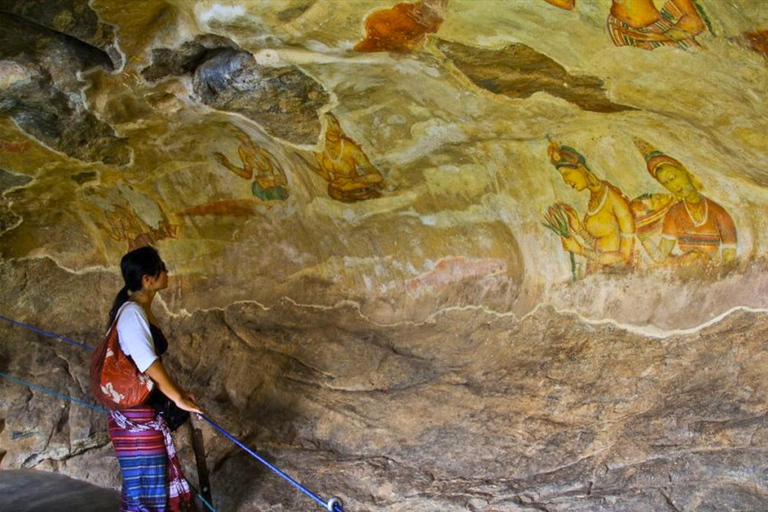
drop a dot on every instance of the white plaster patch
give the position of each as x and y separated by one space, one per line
11 74
454 269
268 57
221 13
429 138
415 68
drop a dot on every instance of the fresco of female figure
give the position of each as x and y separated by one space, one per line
640 24
350 175
701 229
606 234
269 180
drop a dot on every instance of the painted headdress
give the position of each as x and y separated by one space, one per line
655 158
565 156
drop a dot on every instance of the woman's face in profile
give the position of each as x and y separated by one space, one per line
575 177
160 281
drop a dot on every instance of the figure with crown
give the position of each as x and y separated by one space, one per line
605 235
695 228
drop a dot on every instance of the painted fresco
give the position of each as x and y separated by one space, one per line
433 255
696 228
127 216
419 168
402 27
679 228
604 235
267 177
342 163
641 24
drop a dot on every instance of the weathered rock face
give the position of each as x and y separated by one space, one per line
41 87
284 101
512 260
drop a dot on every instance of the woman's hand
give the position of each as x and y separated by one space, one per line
187 402
570 244
573 217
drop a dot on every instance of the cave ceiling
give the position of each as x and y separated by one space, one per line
534 229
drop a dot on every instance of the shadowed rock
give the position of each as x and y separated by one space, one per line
10 180
74 18
40 491
518 71
283 100
41 91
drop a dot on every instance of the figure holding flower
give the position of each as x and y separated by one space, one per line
605 235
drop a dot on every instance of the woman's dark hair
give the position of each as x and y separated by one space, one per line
144 261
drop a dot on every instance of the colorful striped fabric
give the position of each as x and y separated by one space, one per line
621 32
152 477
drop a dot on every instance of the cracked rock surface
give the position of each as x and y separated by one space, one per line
467 411
362 287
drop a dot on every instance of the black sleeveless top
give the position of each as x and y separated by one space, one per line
157 399
173 416
158 339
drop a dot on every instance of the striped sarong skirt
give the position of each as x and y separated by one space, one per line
152 478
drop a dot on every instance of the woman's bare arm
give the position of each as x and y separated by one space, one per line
169 388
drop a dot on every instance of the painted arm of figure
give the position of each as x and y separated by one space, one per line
575 223
728 237
563 4
243 172
320 169
661 252
365 170
626 223
170 389
626 231
691 21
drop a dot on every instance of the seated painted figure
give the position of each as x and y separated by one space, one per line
402 27
641 24
699 229
350 176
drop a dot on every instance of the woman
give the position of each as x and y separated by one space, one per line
702 230
606 235
152 478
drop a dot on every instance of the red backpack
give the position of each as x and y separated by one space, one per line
116 382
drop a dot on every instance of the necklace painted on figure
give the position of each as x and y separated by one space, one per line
600 205
704 216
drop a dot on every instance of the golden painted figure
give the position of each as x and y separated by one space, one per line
269 180
641 24
342 163
606 234
701 230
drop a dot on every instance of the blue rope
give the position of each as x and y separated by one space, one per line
50 392
47 333
90 406
332 505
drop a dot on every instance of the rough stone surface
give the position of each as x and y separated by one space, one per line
43 92
519 71
362 287
283 100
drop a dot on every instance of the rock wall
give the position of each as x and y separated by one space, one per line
444 255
